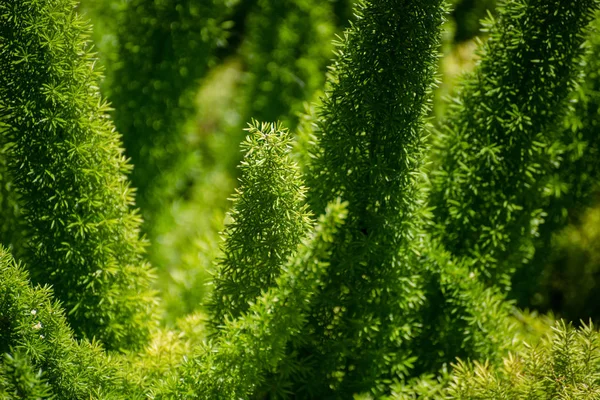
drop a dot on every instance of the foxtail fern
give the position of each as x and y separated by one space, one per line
269 219
565 366
491 152
369 144
71 174
249 347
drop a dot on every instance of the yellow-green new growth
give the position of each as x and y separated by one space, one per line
70 173
564 366
234 366
269 218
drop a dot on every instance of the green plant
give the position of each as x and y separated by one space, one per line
401 273
247 348
269 219
368 152
491 153
39 354
69 171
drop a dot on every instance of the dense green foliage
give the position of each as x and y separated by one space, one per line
69 171
369 251
369 141
565 366
269 219
40 356
491 152
254 344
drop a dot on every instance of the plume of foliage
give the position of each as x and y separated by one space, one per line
39 357
491 152
571 187
565 366
269 219
164 48
286 50
368 150
71 174
247 348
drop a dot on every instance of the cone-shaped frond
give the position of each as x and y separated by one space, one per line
491 153
269 219
369 144
71 174
38 352
254 344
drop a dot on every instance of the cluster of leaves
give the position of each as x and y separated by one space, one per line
70 174
40 357
235 365
269 219
487 187
565 365
367 151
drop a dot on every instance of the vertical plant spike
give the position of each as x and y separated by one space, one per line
165 48
368 152
491 153
71 174
248 347
574 180
35 337
269 219
287 53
